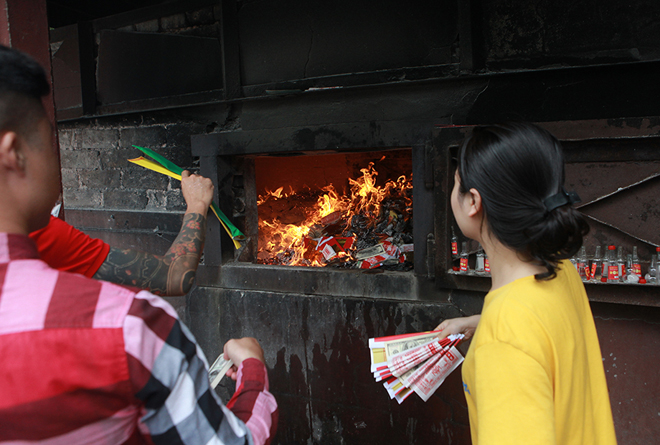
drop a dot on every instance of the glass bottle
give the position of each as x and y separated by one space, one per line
637 267
454 244
612 266
603 272
657 265
653 271
481 257
621 264
630 276
596 265
464 258
582 262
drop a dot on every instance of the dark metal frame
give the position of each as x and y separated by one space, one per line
471 64
226 156
623 139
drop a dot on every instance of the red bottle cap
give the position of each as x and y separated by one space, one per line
611 248
455 269
603 279
657 249
642 281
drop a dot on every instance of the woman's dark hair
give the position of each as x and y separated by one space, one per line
515 167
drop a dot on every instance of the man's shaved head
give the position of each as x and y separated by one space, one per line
23 83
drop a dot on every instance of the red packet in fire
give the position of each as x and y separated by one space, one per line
370 252
325 245
346 242
331 218
375 256
330 246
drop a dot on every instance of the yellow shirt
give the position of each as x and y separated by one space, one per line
534 372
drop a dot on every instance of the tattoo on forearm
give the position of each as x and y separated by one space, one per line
171 274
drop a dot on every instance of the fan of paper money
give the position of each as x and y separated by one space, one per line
416 362
218 369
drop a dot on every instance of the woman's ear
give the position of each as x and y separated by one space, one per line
475 202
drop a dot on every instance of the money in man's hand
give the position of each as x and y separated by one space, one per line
218 370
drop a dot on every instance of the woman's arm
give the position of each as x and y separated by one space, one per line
461 325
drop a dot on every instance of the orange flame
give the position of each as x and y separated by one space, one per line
294 243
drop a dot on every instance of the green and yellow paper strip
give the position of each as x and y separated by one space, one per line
165 167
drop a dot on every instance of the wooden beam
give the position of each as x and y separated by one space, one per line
230 50
87 67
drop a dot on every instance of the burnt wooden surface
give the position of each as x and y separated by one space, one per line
316 350
316 353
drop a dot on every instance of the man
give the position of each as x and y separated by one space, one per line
65 248
86 361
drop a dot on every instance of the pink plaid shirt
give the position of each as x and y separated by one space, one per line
86 361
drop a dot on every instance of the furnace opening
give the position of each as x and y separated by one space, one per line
343 210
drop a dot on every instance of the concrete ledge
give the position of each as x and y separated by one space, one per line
320 281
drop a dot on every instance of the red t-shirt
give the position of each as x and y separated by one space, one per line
66 248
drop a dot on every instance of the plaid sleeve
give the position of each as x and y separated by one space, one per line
170 376
252 403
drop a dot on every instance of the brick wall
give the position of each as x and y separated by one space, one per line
96 173
124 204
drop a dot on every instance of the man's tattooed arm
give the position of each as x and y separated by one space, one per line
171 274
174 273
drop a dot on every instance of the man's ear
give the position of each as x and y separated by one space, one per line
11 153
475 202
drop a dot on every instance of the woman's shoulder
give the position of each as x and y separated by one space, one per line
528 305
530 292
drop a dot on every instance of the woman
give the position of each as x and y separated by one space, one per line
534 372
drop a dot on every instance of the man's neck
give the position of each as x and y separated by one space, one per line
13 227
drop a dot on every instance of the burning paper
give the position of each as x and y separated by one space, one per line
331 246
414 362
378 255
362 228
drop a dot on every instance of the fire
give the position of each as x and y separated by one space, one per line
301 219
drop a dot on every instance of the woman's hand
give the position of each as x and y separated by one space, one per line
462 325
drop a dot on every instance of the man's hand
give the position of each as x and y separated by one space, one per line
462 325
241 349
197 191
